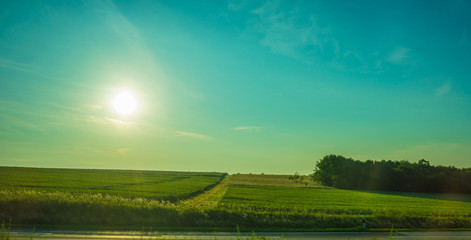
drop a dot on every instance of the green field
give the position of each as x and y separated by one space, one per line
274 197
115 198
160 185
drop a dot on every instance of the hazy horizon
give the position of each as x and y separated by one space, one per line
233 86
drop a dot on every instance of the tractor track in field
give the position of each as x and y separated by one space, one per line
210 198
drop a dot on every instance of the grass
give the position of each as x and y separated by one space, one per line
171 186
253 202
78 197
336 201
263 200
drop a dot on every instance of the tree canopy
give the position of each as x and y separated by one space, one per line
402 176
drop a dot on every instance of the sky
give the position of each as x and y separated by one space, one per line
234 86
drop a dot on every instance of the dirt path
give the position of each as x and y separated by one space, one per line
210 198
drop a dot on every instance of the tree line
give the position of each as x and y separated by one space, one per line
401 176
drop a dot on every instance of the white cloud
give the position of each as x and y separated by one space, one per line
444 89
398 55
192 135
248 128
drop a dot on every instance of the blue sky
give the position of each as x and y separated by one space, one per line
236 86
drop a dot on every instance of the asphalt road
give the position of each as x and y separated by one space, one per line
124 235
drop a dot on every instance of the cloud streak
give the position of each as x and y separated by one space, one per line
236 5
27 68
120 122
118 23
444 89
192 135
285 32
123 151
107 121
399 55
248 128
291 30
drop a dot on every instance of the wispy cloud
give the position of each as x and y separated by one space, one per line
288 29
115 20
248 128
192 135
123 151
132 41
107 121
236 5
443 89
27 68
399 55
285 32
95 107
94 151
18 125
120 122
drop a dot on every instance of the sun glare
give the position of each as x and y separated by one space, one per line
124 103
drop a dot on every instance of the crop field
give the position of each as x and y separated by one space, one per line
253 202
124 183
270 196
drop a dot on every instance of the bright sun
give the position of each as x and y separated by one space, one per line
124 103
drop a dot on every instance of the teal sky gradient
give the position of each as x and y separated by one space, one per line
234 86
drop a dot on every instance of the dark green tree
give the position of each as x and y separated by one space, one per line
347 173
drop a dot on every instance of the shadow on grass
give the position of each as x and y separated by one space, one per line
437 196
